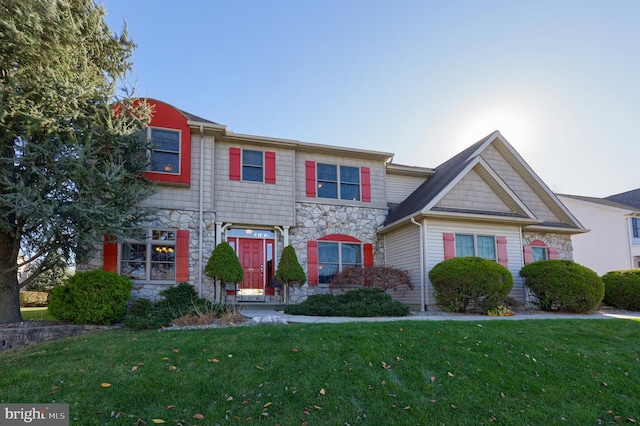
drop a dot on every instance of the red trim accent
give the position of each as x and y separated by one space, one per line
449 245
110 254
365 177
167 117
553 253
310 178
368 254
182 255
234 163
339 237
270 167
528 254
312 260
501 242
537 243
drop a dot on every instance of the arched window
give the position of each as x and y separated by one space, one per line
538 250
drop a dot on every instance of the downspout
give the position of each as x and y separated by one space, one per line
201 214
524 287
629 223
422 292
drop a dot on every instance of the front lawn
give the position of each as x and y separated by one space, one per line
564 372
36 314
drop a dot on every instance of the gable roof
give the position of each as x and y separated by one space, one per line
600 201
424 200
629 198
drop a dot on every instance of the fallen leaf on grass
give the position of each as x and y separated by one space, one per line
169 407
450 374
294 350
105 385
259 368
433 379
198 416
158 421
175 351
267 404
172 368
322 391
213 360
140 422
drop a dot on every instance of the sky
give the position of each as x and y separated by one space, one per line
421 79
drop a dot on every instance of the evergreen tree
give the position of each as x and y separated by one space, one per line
70 152
223 265
289 270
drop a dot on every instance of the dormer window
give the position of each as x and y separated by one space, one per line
165 153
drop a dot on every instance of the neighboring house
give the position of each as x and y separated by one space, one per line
613 242
338 207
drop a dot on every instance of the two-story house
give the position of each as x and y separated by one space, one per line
613 242
338 207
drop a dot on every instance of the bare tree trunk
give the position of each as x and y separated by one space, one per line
9 298
9 287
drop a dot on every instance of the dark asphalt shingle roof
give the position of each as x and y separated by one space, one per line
444 174
601 201
629 198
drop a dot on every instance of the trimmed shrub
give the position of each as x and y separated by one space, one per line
364 302
563 285
464 281
622 289
93 297
223 265
33 298
382 277
289 270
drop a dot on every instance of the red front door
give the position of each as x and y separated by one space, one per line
251 256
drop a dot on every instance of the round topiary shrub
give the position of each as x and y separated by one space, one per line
93 297
463 281
622 289
563 285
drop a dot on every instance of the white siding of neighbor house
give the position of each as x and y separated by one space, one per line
607 247
400 187
518 185
435 246
402 251
254 203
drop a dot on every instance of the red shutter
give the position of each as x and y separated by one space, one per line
449 245
365 177
312 260
368 254
310 171
182 256
270 167
110 254
528 254
501 242
553 253
234 163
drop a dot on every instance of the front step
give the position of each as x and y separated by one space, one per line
257 306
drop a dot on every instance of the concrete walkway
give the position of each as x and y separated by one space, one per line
279 316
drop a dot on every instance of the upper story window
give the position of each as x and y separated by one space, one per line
476 245
635 227
338 182
252 166
165 154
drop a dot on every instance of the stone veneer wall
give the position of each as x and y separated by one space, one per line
173 219
314 220
561 242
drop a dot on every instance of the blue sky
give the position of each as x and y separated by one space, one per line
421 79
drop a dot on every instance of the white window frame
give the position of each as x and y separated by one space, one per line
153 150
475 245
150 245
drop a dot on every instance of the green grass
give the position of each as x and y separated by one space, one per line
36 314
537 372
